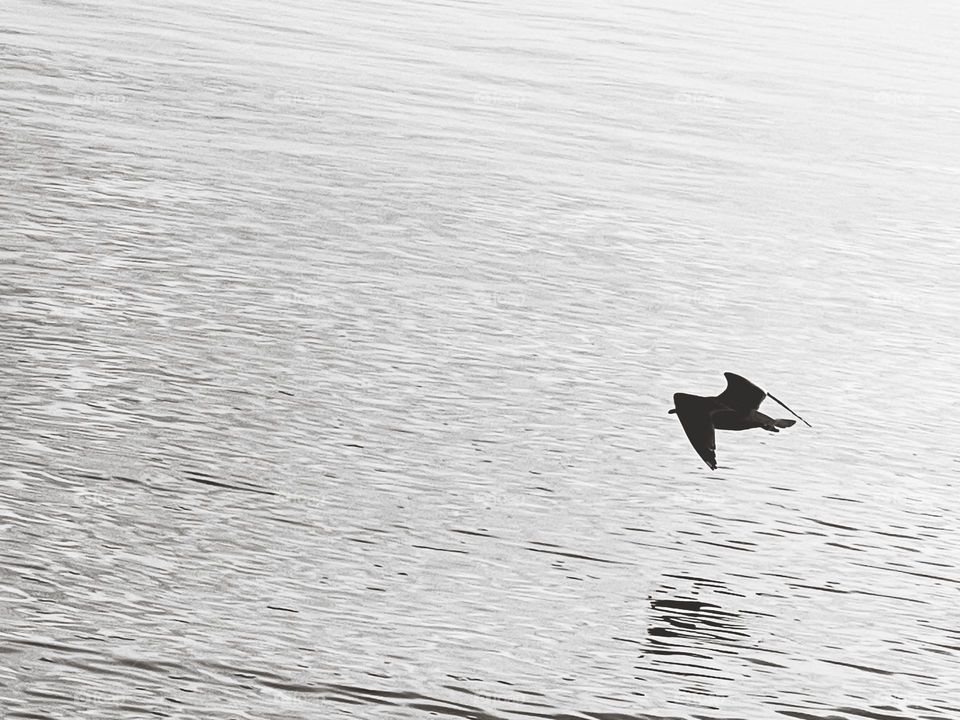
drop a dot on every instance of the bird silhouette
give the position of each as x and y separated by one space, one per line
733 409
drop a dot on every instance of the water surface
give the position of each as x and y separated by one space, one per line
338 346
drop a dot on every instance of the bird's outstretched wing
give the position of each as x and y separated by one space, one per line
741 394
694 413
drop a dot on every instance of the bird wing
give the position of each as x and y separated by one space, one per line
694 413
741 394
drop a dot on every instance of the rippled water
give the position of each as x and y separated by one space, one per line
338 343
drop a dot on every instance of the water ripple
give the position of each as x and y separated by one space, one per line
338 347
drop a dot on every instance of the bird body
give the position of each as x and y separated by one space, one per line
736 408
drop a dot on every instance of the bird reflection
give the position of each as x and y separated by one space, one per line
687 635
693 619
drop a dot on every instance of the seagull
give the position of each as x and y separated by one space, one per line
733 409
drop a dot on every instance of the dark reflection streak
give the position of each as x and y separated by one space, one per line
231 487
286 521
937 645
357 696
101 478
857 592
764 663
729 593
897 535
97 667
673 651
832 525
817 587
293 687
909 572
238 672
868 714
53 646
757 613
368 692
443 710
784 531
724 519
666 664
672 548
688 605
575 555
351 700
878 671
472 533
722 545
695 579
687 674
934 563
948 631
844 547
803 715
485 696
782 575
671 646
448 550
716 629
47 696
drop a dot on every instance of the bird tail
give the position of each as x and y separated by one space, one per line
781 403
784 423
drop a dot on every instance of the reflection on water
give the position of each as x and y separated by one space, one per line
338 349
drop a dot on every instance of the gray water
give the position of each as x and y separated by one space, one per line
338 342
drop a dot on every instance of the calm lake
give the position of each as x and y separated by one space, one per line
338 340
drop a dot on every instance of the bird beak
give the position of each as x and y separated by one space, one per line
671 411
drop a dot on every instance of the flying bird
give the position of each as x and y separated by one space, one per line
733 409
